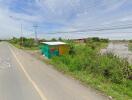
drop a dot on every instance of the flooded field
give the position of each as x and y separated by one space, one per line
119 49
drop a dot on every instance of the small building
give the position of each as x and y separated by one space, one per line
82 40
51 49
79 40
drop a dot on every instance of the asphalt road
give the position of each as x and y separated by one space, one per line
23 77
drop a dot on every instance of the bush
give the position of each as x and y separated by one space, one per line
28 42
60 39
105 72
72 49
53 39
86 58
25 42
104 40
95 39
130 41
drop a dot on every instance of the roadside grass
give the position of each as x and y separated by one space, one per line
107 73
116 91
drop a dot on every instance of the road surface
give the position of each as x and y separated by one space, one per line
23 77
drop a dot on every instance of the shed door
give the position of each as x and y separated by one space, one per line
63 49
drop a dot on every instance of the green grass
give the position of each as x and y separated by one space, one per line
106 73
117 91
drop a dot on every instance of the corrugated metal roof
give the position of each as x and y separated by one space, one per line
54 43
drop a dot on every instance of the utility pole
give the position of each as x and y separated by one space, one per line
35 32
21 36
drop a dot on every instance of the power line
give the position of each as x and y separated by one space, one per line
96 29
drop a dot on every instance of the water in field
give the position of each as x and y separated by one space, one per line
120 49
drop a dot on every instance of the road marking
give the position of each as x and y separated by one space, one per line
29 78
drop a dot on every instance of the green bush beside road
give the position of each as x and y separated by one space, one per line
107 72
130 45
25 43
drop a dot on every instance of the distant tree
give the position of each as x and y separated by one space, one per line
95 39
14 40
60 39
130 41
104 40
28 42
53 39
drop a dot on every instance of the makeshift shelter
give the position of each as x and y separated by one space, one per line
51 49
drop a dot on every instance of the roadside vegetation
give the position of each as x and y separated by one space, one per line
25 43
1 40
29 43
130 45
106 72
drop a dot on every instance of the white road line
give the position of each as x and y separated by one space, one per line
29 78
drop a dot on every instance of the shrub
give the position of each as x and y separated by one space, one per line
95 39
25 42
60 39
53 39
72 50
86 58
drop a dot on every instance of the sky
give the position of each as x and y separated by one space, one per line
60 18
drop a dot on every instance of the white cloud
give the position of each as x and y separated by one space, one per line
10 22
110 5
126 18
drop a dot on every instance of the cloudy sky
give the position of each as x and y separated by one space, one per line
54 16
